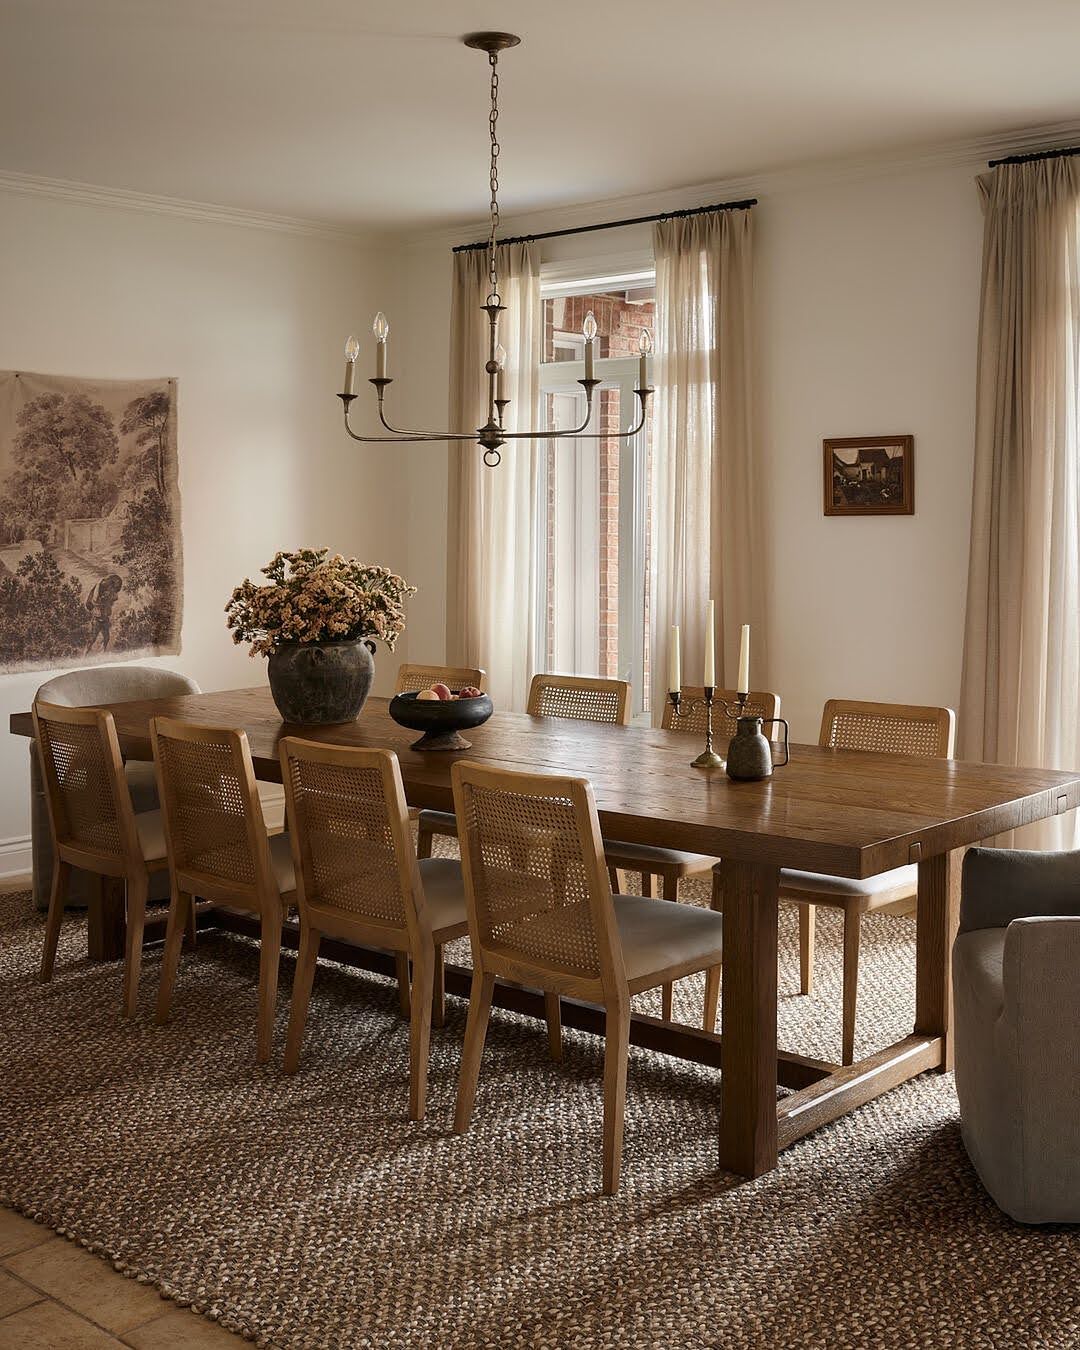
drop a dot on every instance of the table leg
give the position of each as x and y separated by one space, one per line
937 917
748 1143
105 927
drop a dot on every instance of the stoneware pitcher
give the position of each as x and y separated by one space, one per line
749 755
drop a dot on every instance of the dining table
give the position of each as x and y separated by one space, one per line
846 813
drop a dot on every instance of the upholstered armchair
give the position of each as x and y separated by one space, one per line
79 689
1016 976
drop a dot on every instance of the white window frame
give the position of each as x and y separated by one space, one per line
583 278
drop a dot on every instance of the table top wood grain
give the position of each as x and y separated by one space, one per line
844 812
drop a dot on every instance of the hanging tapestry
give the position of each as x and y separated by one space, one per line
90 552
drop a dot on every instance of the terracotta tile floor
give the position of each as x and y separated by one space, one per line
55 1295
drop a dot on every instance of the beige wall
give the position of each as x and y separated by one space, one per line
251 322
867 312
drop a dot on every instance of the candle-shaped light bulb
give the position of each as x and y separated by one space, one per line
675 662
381 329
644 347
589 329
710 645
500 361
743 687
352 351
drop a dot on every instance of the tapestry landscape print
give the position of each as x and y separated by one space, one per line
89 521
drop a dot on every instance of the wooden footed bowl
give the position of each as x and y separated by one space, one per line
441 722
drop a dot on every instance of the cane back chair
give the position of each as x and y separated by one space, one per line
412 678
885 728
358 879
219 849
541 913
94 826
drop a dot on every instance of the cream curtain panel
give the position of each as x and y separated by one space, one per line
494 514
708 496
1021 683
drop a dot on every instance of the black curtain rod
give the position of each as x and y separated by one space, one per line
1038 154
612 224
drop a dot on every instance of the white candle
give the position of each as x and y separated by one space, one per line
675 661
380 360
744 660
710 644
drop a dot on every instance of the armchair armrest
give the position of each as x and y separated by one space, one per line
1000 885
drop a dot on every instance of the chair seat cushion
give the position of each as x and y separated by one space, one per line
281 863
640 857
979 967
868 891
659 934
439 822
151 831
444 890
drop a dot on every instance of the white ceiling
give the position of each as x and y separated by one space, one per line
358 114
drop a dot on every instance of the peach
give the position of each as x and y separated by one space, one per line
441 691
427 696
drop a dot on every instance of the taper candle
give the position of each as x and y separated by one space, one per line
710 645
675 661
381 329
744 660
352 351
644 347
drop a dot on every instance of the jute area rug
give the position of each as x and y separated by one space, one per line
307 1212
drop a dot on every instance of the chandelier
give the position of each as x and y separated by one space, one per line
493 433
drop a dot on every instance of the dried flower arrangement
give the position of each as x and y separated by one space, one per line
315 598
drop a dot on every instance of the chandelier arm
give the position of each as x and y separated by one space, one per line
580 433
411 437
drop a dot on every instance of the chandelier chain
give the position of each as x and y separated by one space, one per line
493 121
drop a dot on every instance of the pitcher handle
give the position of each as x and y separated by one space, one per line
779 721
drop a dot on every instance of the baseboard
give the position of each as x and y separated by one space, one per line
16 858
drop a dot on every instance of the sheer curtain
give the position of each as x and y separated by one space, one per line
707 496
494 514
1021 683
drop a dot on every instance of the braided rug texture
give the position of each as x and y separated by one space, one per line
307 1213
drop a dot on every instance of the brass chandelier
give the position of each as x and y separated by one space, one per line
493 433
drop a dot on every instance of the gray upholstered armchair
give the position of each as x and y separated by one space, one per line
1016 977
77 689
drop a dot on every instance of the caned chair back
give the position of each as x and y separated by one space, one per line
88 798
214 826
535 878
349 828
691 718
580 696
411 678
889 728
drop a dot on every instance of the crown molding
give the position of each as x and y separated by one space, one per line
87 194
970 153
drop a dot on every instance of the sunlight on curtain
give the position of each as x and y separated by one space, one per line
707 493
494 516
1021 682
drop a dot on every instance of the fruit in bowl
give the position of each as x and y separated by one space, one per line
441 716
444 694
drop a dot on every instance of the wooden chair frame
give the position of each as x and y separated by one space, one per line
943 721
415 940
261 897
610 987
128 865
578 683
411 676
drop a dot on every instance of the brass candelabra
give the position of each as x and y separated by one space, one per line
709 759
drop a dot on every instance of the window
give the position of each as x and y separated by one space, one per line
594 563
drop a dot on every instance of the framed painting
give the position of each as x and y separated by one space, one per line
870 476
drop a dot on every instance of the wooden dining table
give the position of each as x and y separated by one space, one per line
843 812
